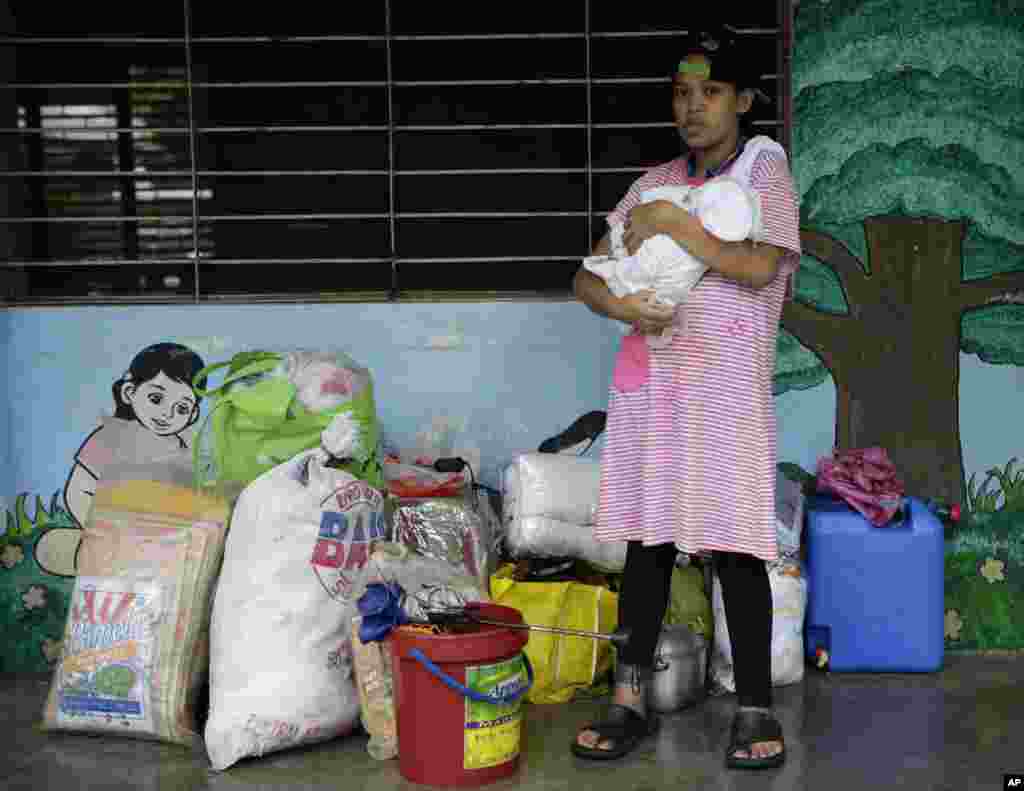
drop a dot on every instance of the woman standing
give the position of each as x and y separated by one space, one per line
690 456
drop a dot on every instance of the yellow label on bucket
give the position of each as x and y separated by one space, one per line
492 732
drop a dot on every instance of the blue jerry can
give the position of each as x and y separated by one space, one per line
875 595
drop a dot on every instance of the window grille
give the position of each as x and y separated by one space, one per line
405 151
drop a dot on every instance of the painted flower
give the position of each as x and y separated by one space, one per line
35 597
992 570
50 649
12 556
953 624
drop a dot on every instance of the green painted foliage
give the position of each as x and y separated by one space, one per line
851 40
29 630
840 119
796 367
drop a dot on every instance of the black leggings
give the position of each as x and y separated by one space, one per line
746 594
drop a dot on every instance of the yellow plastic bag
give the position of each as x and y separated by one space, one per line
562 664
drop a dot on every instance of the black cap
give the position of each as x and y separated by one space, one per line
729 62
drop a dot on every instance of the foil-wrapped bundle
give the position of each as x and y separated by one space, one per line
462 531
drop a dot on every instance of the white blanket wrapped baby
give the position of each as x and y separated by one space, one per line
726 208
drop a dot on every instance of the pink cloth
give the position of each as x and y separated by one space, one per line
866 479
690 455
632 363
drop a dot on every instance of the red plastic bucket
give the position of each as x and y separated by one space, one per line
457 698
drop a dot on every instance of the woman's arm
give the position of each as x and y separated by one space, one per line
747 263
635 309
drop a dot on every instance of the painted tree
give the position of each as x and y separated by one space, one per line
907 144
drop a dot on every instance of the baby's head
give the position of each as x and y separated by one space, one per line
157 389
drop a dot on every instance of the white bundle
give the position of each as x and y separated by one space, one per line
726 208
550 504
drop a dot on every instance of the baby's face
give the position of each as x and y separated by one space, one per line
162 405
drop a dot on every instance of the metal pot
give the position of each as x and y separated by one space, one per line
680 670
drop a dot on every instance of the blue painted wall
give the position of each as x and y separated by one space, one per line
497 377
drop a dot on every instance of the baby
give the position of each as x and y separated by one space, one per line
726 209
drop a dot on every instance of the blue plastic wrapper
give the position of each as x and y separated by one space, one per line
381 608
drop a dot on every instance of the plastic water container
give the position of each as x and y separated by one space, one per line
875 595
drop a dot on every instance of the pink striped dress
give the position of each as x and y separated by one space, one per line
690 456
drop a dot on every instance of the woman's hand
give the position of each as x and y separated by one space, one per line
649 219
646 315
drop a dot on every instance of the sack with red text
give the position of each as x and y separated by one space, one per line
281 672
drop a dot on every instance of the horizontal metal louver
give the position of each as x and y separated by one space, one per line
409 151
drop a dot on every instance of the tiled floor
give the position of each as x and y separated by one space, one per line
960 729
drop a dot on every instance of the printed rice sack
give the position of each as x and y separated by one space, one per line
135 653
281 663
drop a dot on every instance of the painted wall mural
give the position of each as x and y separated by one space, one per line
33 603
906 146
155 411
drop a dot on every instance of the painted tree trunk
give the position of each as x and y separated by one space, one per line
902 390
895 357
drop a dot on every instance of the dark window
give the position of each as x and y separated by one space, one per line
184 153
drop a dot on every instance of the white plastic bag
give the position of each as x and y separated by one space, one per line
280 645
549 506
558 486
789 604
789 515
541 536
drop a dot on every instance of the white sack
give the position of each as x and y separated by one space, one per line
281 670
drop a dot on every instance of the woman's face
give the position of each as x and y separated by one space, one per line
706 111
162 405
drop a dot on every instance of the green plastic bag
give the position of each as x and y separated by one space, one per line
688 603
256 422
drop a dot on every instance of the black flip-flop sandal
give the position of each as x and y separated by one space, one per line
749 728
623 726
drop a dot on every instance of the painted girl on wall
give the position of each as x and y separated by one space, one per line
155 408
